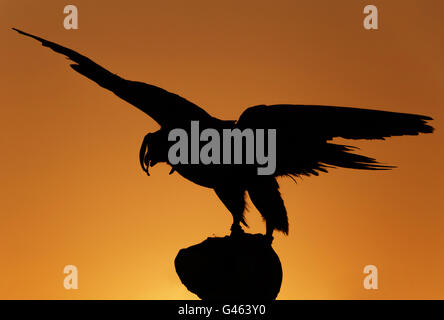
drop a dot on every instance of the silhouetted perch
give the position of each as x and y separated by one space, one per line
244 266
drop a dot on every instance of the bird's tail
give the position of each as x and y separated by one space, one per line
341 156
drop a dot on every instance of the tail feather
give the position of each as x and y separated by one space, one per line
340 156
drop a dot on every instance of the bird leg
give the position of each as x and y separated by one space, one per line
236 229
269 233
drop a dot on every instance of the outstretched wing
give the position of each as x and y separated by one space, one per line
164 107
303 133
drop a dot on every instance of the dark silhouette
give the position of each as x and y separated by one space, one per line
231 268
304 135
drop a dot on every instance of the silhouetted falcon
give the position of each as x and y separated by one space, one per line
303 147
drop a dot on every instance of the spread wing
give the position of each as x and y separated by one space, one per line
303 133
164 107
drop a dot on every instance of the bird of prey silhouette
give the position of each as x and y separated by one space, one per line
303 147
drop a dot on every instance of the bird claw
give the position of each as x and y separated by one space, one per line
268 238
236 230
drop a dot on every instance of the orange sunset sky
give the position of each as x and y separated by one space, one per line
72 191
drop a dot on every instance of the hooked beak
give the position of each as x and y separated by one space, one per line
144 155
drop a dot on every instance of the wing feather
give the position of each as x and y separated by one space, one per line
304 132
326 122
164 107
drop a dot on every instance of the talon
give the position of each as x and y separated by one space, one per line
172 171
268 238
236 230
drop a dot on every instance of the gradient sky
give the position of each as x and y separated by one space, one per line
72 191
